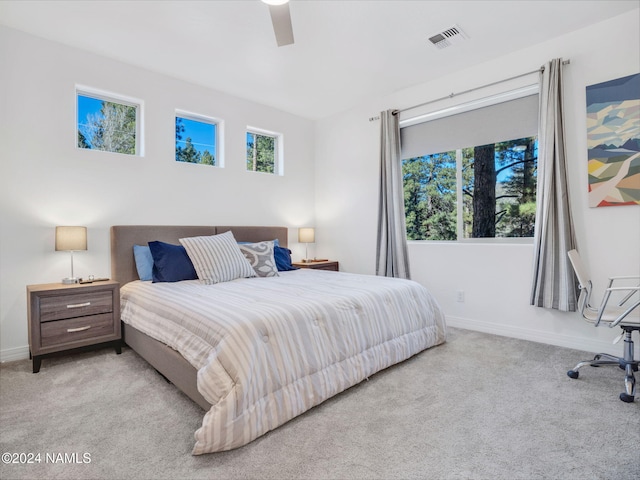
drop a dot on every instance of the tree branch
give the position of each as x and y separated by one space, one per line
515 163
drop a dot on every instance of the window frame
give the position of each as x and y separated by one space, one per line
106 96
427 116
278 154
218 123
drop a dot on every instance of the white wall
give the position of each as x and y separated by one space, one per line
45 181
495 278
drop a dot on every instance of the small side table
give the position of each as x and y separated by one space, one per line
321 265
65 317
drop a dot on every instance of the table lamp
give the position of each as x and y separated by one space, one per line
71 239
306 235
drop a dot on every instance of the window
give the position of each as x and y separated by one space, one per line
196 139
472 175
264 151
108 122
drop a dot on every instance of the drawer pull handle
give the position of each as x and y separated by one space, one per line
79 305
79 329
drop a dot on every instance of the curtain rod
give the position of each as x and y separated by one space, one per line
451 95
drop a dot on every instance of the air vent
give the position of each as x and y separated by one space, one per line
450 36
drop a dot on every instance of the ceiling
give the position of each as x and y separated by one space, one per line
344 52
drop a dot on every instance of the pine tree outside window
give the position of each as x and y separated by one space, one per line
264 151
108 122
197 139
497 192
472 175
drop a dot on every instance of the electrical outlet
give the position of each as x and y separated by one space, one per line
460 296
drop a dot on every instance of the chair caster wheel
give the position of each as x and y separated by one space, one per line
626 398
573 374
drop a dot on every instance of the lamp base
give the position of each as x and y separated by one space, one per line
70 280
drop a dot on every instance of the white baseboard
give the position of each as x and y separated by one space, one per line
13 354
568 341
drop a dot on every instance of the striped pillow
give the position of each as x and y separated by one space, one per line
217 258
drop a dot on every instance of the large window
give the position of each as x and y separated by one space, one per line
472 175
264 151
196 139
108 122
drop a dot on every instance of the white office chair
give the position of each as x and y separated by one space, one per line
625 314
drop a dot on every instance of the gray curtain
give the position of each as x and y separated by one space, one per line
391 253
554 284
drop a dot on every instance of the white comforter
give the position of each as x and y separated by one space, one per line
268 349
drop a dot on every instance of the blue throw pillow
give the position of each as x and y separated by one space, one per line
144 262
171 263
283 259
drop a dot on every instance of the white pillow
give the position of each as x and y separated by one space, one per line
217 258
260 256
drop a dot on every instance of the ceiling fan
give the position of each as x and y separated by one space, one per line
281 20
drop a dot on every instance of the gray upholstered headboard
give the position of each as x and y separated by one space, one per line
124 237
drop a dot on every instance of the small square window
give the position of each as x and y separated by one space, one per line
264 152
196 140
107 123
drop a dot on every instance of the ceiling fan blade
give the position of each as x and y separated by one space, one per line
281 19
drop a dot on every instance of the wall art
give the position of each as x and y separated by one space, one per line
613 142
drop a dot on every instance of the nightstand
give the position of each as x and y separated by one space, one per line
64 317
320 265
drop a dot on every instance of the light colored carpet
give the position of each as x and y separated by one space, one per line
478 407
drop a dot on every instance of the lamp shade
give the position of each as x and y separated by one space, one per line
306 235
71 238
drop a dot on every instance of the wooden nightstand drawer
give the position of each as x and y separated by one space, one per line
78 305
63 332
319 265
332 266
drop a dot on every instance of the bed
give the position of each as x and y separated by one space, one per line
257 352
